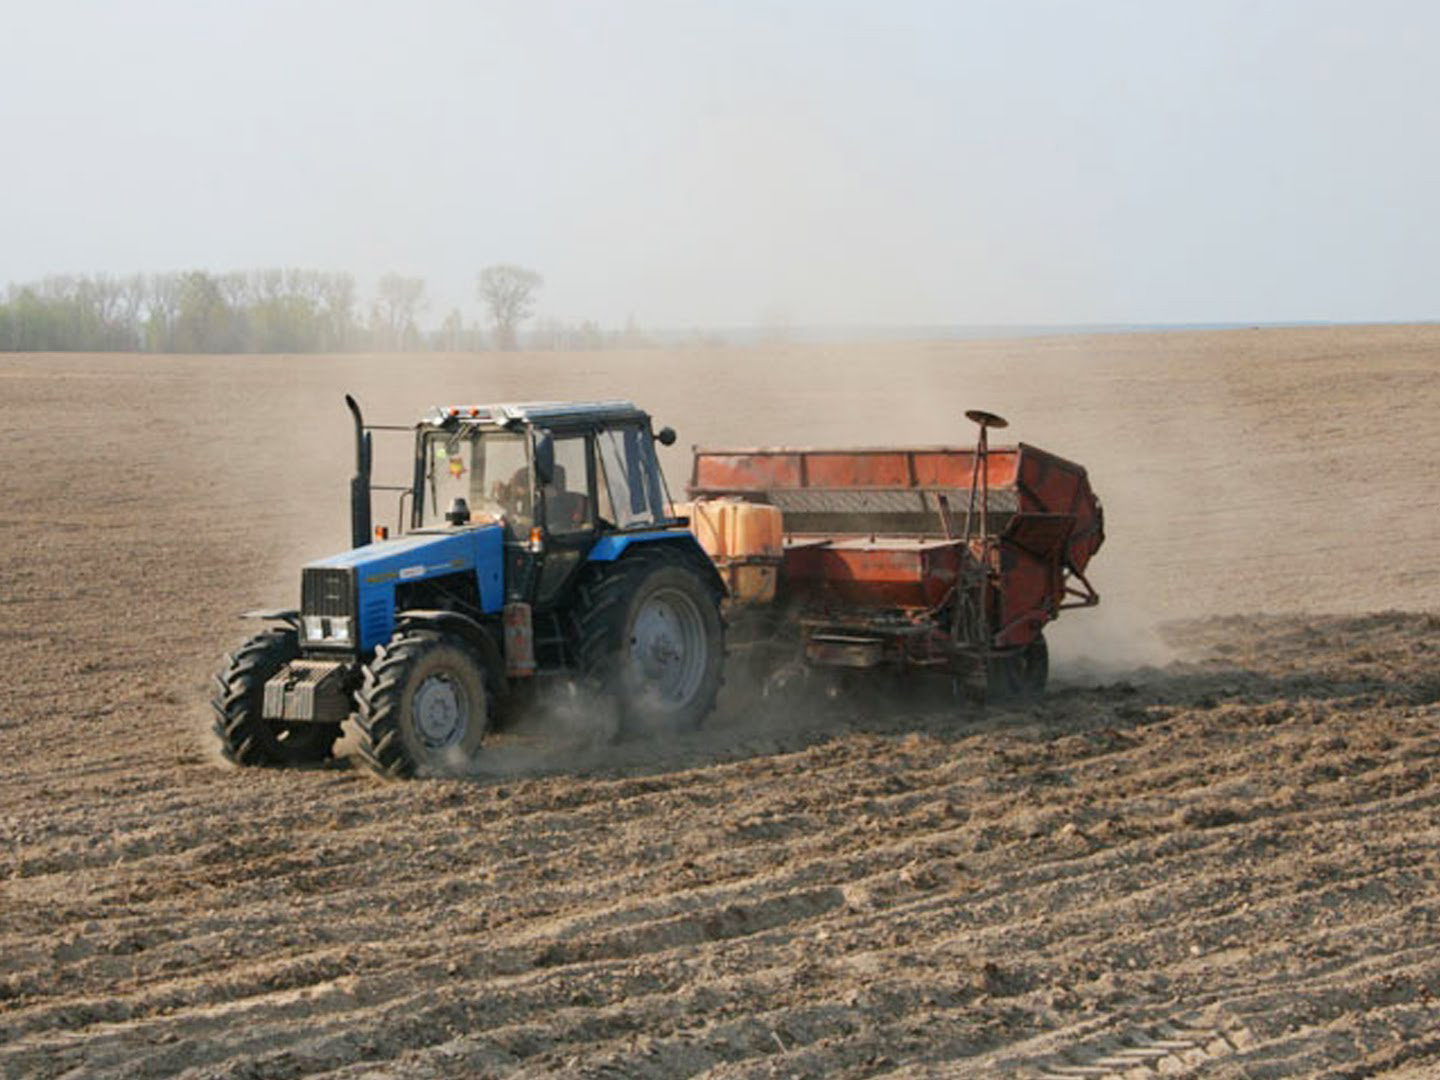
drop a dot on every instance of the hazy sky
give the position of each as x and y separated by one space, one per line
734 162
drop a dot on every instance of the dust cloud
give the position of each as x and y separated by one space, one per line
1211 506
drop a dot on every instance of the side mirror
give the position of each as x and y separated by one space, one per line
666 436
544 458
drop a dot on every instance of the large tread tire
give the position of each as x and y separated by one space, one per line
423 708
617 603
244 736
1020 676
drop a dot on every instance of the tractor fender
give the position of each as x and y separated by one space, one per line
612 547
467 629
289 616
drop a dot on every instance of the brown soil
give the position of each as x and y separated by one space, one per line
1211 850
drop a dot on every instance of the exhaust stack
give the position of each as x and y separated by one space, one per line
360 482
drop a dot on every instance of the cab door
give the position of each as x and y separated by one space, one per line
566 512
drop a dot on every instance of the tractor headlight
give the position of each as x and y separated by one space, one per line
334 628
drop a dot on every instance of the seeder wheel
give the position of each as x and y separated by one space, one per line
1019 675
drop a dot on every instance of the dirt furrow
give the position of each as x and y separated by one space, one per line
1217 818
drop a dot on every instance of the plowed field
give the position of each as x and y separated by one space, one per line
1211 850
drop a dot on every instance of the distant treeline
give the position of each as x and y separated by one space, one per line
273 311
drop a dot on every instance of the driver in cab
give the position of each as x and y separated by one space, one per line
565 510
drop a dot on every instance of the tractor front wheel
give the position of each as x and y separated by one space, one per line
244 736
423 707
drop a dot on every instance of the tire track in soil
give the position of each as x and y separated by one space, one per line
1043 874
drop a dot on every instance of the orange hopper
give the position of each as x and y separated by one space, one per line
906 530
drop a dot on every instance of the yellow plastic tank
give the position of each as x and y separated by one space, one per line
746 541
708 525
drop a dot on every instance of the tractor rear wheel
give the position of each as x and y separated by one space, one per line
244 735
1021 674
649 636
423 707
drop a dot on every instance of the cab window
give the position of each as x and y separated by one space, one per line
630 477
491 472
567 496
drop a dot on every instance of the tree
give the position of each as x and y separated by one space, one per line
164 311
392 316
205 322
509 294
337 308
452 332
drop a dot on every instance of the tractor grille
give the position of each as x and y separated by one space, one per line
327 591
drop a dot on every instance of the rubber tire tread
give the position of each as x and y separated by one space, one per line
1020 676
380 744
601 602
244 736
1035 667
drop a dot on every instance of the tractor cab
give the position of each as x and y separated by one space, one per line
562 468
556 478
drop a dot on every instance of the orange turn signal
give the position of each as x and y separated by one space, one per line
382 532
537 539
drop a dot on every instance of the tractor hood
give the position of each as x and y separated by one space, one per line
361 584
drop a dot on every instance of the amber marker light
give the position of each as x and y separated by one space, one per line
382 532
537 540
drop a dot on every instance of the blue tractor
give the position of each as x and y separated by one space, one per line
533 541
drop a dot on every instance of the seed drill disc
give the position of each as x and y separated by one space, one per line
986 419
